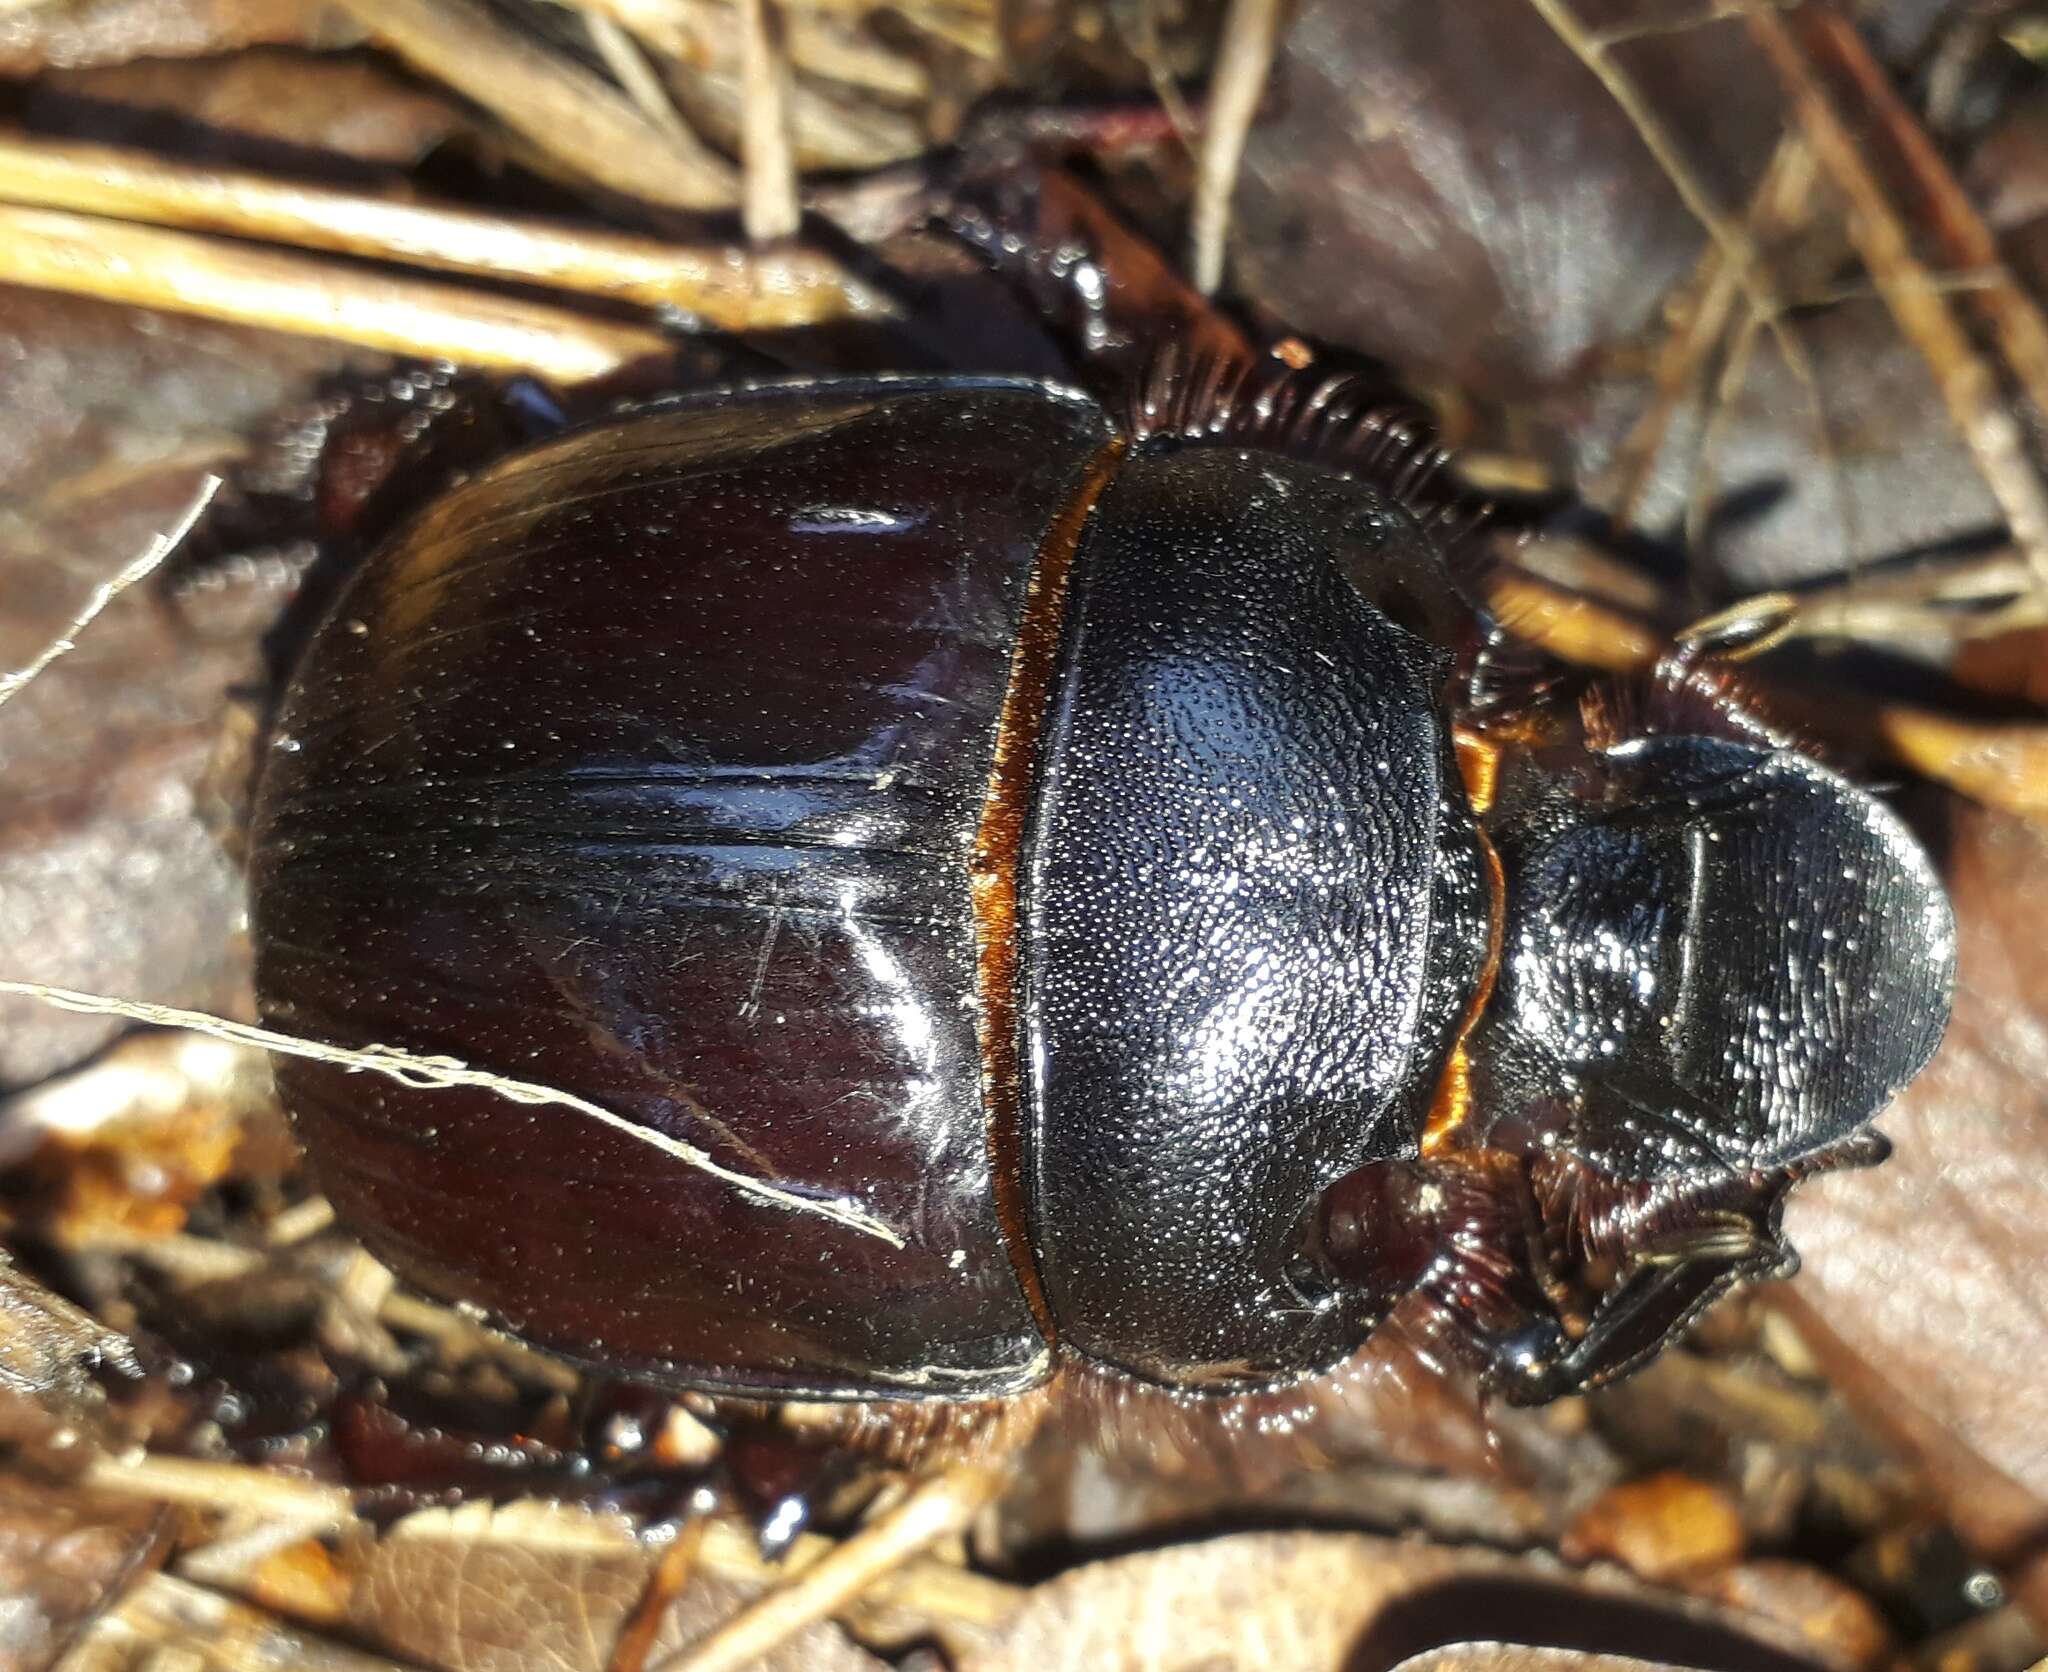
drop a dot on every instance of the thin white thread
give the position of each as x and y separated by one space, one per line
419 1072
160 547
423 1073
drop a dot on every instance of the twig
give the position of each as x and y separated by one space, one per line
1143 32
1244 58
629 68
1734 242
927 1585
224 1487
440 1073
768 182
160 547
726 285
1967 383
570 114
460 1336
934 1508
1967 243
671 1574
1654 28
1706 462
1676 370
831 47
216 279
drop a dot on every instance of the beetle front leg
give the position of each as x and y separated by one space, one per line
1450 1249
1542 1275
343 465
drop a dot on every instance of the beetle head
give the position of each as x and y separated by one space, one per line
1719 957
1719 960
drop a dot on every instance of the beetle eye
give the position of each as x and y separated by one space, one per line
1735 958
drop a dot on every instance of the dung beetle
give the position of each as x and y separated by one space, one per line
1106 880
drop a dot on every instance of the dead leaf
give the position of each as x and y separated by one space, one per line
1510 1657
1838 1624
62 1554
110 878
500 1593
1791 498
536 1588
1931 1276
1308 1601
1448 188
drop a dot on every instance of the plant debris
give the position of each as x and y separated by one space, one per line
1734 308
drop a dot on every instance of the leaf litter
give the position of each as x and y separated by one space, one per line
197 1366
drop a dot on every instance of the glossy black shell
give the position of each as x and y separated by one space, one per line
907 791
1228 915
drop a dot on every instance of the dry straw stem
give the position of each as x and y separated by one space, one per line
1244 59
1735 244
441 1073
216 279
198 1484
1703 322
768 196
1981 278
629 67
577 119
896 1577
933 1509
1968 385
727 286
831 47
1766 307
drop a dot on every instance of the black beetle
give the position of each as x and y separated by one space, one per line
1090 849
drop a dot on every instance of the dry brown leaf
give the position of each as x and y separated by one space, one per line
1837 1623
1790 503
62 1554
536 1589
1514 1657
1309 1601
1932 1276
476 1597
1449 188
708 1600
109 877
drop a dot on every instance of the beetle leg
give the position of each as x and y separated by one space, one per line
342 467
1653 1302
1681 1247
1106 291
